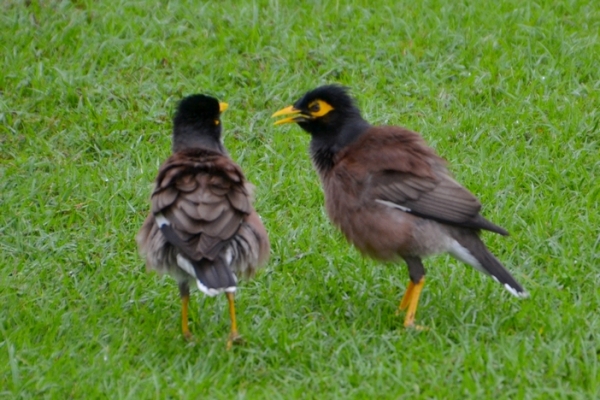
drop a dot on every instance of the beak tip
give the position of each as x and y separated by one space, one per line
285 111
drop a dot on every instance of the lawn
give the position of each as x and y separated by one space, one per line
508 92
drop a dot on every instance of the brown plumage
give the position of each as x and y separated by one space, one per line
390 194
202 228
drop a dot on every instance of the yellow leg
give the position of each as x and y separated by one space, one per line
184 317
234 335
406 298
411 301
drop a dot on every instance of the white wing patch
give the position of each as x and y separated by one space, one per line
185 265
228 255
393 205
161 220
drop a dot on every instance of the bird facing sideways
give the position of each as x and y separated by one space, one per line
202 229
390 194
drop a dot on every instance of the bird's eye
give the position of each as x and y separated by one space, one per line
319 108
216 122
314 106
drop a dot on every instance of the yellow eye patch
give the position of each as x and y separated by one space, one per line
319 108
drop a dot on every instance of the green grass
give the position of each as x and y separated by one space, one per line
508 92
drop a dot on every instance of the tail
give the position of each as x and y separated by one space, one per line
469 248
212 276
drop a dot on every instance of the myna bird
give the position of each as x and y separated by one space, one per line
202 229
390 194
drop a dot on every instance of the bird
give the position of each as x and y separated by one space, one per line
390 194
202 228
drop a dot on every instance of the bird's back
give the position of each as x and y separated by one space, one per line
207 202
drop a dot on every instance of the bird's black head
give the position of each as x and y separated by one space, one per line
330 116
197 123
322 111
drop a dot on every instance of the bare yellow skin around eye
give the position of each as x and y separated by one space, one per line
319 108
216 122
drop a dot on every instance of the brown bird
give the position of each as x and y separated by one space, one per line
202 228
390 194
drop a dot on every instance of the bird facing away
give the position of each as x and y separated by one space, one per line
390 194
202 229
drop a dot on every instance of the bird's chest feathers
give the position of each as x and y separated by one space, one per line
345 194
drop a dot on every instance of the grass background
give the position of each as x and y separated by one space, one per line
507 91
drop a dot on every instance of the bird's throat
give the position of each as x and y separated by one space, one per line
324 147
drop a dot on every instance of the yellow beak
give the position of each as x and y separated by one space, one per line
223 107
285 111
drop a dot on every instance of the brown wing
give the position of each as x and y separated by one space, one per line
202 194
404 172
441 199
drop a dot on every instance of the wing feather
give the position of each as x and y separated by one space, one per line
204 200
404 171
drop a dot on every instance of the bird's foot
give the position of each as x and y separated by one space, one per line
419 328
234 338
409 323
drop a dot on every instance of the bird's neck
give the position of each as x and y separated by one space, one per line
185 139
324 147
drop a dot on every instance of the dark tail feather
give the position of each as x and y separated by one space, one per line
487 262
215 276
